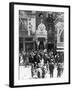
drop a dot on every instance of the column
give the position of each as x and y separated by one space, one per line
24 44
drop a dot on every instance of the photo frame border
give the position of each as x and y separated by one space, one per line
11 42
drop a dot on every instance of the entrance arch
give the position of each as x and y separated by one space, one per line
41 36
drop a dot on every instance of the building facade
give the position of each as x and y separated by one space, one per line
41 30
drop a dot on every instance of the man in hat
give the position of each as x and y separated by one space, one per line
51 69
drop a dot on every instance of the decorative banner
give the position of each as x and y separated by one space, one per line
31 25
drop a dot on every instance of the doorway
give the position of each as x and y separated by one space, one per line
41 45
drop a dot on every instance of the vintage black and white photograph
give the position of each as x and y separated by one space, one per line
41 53
41 44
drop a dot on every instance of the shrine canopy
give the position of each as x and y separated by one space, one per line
41 31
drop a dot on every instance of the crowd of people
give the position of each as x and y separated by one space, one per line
42 62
